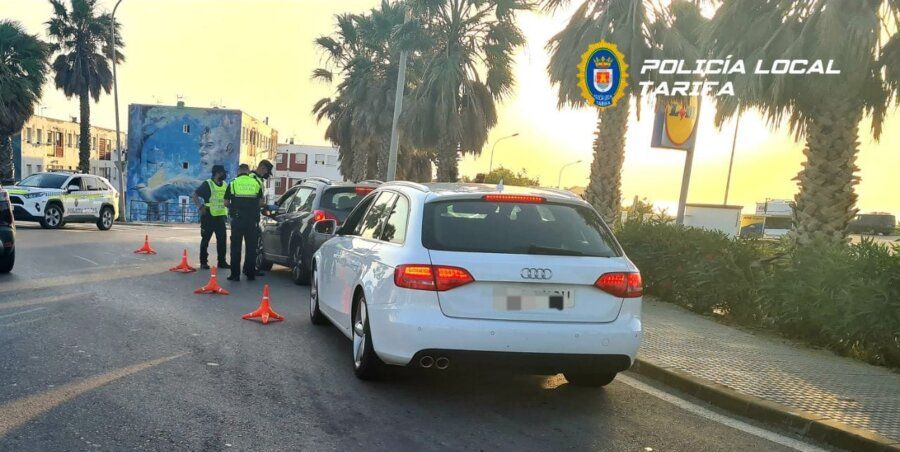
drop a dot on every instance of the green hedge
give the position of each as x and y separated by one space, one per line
843 298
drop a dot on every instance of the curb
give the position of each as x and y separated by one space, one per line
807 424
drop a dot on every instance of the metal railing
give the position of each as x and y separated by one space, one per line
162 212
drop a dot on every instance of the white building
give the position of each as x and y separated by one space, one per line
48 144
295 162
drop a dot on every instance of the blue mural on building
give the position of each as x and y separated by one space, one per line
171 150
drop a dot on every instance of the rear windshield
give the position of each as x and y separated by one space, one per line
44 180
474 225
340 201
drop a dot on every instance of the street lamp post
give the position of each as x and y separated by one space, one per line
491 165
120 164
559 180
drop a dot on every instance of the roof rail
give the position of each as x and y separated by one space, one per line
561 191
371 181
409 184
323 180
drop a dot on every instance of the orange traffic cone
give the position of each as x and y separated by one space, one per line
183 267
264 311
213 285
146 248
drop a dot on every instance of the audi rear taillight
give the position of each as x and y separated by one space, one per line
625 285
319 215
521 199
431 277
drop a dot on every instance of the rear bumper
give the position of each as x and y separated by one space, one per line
402 333
538 363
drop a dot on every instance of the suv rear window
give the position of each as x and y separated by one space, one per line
474 225
340 201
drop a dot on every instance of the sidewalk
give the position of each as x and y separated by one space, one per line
829 387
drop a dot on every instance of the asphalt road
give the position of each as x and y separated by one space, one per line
103 349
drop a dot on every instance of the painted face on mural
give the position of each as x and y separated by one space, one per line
215 148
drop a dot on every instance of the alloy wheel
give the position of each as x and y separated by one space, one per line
359 333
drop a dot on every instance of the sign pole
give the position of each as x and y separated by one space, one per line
685 182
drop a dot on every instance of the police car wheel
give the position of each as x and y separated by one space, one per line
53 217
106 219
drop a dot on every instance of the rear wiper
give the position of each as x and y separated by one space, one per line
553 251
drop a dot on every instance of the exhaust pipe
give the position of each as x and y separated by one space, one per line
426 361
442 363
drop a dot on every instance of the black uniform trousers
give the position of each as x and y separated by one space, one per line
210 225
244 230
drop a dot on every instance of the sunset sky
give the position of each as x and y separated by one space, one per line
257 56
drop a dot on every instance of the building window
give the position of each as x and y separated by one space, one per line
320 159
69 139
39 168
40 136
186 128
279 159
94 144
77 140
28 132
27 170
331 160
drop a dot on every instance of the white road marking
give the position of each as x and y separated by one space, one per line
85 259
716 417
21 312
24 322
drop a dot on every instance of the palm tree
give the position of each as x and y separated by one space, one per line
625 23
23 69
81 41
466 56
823 109
363 53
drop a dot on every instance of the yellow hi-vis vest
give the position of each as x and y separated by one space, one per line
245 186
216 204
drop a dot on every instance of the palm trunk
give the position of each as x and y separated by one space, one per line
384 150
6 156
604 191
360 160
84 144
447 162
826 201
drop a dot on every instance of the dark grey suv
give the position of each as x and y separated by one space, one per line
287 236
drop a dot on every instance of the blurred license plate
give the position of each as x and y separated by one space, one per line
516 299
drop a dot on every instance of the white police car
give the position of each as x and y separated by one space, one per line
57 198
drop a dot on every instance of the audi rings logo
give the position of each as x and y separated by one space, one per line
536 273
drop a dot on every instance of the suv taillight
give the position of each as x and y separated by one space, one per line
431 277
319 215
625 285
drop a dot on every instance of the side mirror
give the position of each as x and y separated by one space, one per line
327 227
72 188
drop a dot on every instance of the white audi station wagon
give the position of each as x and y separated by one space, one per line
471 276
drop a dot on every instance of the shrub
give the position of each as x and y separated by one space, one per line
844 298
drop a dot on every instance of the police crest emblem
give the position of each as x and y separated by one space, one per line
603 74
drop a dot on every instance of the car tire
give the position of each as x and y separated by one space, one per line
366 363
298 273
7 262
315 315
589 379
105 222
53 217
261 263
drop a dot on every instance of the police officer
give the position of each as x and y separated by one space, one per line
210 199
244 197
261 174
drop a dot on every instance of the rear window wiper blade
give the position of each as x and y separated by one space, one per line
553 251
